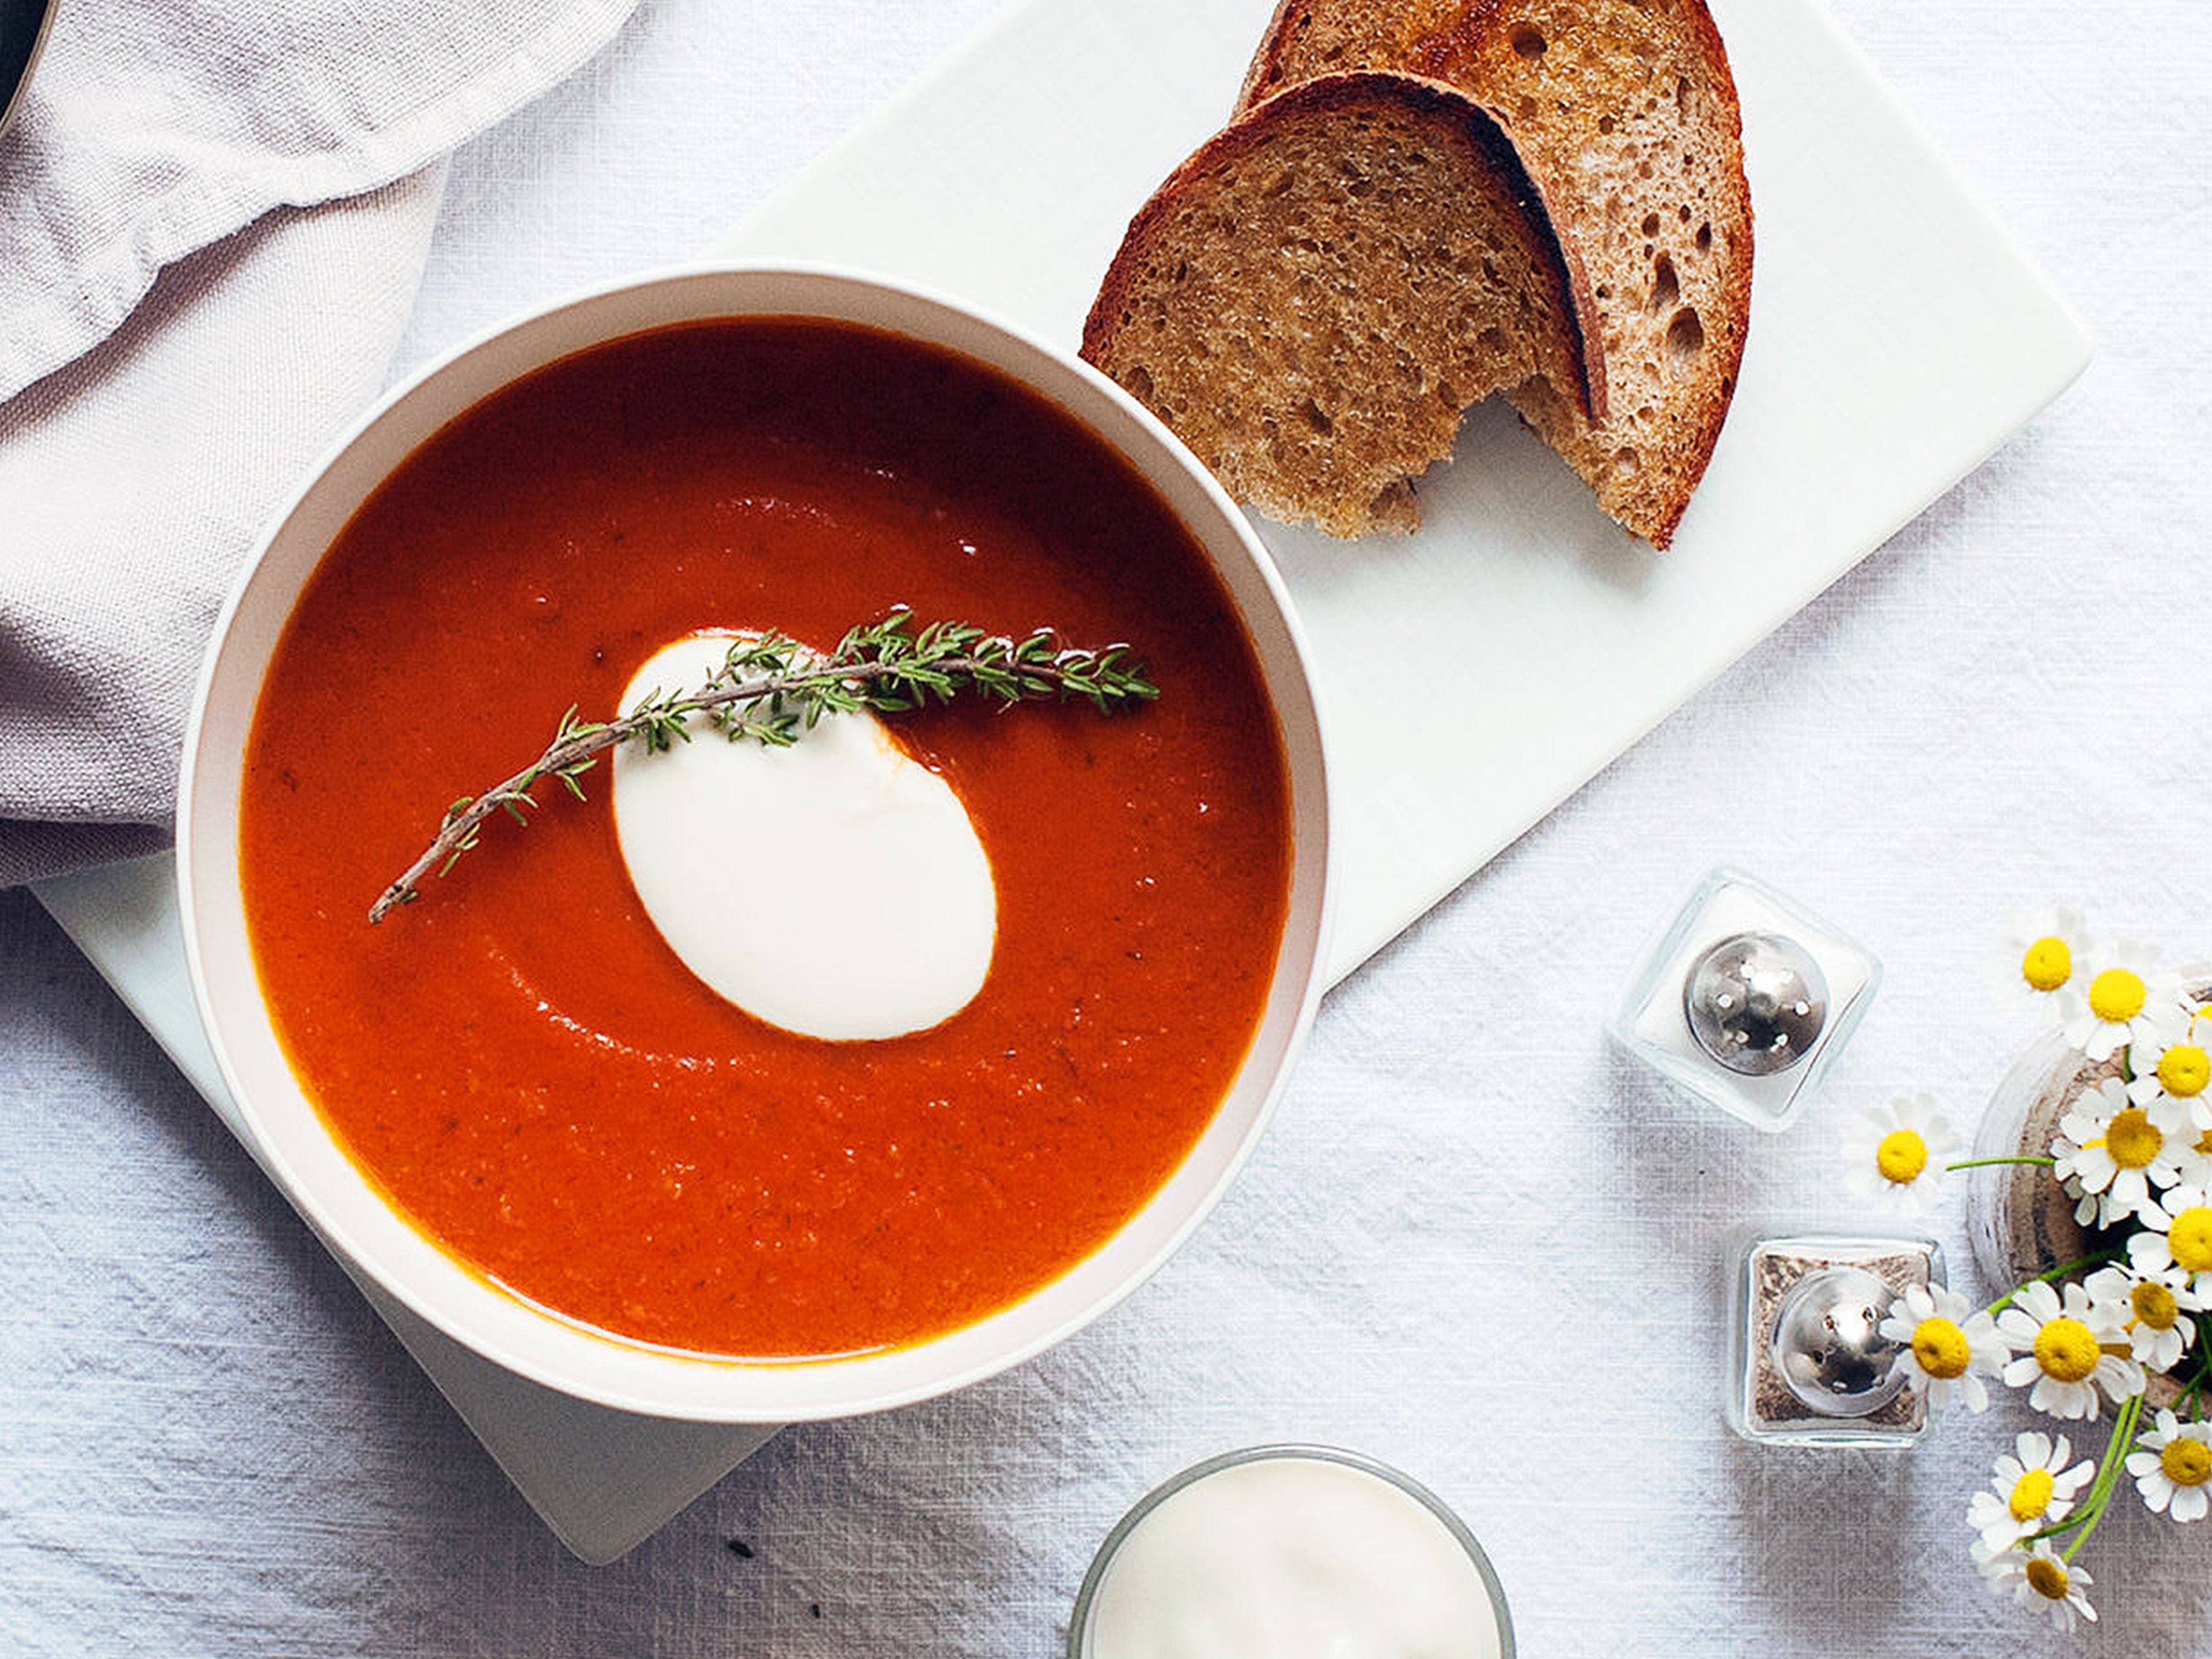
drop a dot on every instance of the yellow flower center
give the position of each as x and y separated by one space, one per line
2117 994
2031 1495
2047 1578
2204 1143
2132 1139
2183 1069
2067 1349
2048 964
1940 1347
2186 1461
2190 1239
1901 1157
2154 1304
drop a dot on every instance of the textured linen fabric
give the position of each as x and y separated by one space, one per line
246 193
1474 1241
135 478
152 130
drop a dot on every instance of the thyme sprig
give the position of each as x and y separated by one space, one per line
770 690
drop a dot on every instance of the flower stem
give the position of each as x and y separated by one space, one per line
2060 1272
1984 1163
2084 1520
2192 1397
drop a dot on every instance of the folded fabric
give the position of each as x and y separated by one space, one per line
136 466
153 131
133 481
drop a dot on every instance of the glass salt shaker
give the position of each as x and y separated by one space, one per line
1746 999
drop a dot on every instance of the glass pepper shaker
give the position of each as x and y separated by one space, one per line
1808 1364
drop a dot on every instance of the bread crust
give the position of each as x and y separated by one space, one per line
1473 45
1346 91
1510 189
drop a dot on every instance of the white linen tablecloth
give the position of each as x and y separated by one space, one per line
1474 1242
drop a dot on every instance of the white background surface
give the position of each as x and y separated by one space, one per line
1474 1243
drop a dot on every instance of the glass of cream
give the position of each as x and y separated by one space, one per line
1291 1553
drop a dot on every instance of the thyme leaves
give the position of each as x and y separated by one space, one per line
771 690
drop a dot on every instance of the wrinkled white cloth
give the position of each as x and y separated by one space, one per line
212 224
153 131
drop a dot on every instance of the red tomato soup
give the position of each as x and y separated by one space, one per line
522 1064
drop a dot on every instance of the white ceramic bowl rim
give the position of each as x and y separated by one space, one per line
322 1183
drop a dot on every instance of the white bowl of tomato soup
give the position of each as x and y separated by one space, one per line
511 1104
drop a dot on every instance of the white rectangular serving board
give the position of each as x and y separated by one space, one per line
1897 336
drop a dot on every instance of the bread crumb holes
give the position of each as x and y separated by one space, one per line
1686 335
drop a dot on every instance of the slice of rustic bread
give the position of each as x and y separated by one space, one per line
1313 300
1627 113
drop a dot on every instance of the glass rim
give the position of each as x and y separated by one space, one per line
1079 1624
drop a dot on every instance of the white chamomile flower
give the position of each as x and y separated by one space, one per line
2174 1467
2173 1058
2193 1158
1896 1153
1948 1346
2033 1488
2155 1312
2067 1348
2041 952
2038 1573
2112 999
2177 1234
2112 1153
